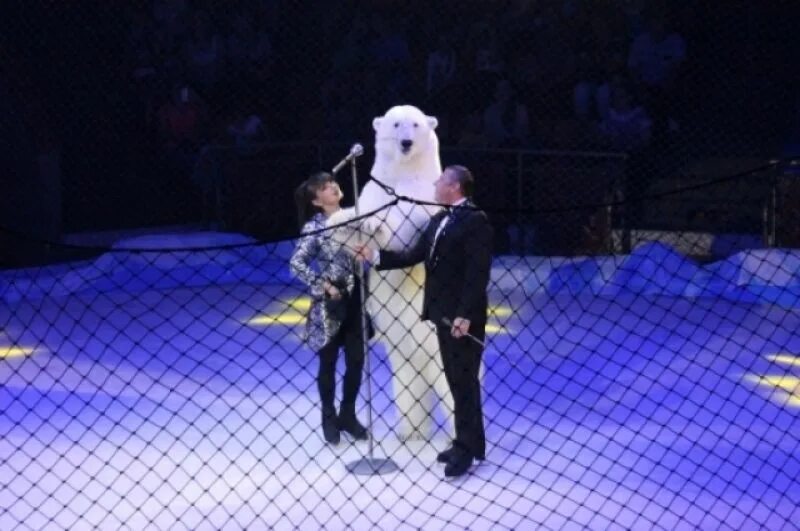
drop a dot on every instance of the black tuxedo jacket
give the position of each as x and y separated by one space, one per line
457 271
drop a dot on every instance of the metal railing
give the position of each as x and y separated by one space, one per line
541 201
521 188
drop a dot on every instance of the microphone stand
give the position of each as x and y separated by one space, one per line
369 465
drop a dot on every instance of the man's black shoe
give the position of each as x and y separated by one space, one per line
446 455
458 465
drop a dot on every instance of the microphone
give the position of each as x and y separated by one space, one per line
448 322
356 151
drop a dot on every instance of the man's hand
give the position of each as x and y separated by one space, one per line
460 327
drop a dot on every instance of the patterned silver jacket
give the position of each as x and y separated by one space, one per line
333 264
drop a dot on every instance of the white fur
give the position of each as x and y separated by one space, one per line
395 300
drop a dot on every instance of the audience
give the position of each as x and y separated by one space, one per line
204 52
246 131
656 55
578 67
182 124
247 49
441 68
654 60
505 120
627 127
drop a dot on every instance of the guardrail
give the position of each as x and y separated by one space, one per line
540 200
549 202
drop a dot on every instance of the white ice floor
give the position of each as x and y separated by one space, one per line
170 409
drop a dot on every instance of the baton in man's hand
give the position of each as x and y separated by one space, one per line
448 322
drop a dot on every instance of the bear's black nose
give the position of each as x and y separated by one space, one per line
406 143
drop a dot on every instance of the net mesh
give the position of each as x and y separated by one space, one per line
641 365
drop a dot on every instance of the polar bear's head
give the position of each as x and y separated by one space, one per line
406 144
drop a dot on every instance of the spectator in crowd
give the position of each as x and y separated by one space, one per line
142 59
634 13
169 51
169 17
585 89
517 21
441 68
247 49
389 47
182 125
489 63
627 126
391 58
246 131
204 52
603 58
139 46
525 69
791 146
243 134
338 116
654 60
472 135
350 53
656 55
488 56
168 12
505 121
614 75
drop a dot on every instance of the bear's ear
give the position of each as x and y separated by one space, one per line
376 123
432 122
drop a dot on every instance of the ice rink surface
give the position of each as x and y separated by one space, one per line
193 405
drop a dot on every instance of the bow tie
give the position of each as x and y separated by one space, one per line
455 208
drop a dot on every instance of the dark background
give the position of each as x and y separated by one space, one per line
84 84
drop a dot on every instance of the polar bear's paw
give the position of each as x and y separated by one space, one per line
345 233
370 225
338 218
414 432
407 434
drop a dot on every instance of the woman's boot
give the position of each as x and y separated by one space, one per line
349 423
330 429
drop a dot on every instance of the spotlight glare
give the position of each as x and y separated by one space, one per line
499 311
496 329
786 359
15 352
787 386
299 303
279 319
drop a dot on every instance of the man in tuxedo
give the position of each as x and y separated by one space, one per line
456 248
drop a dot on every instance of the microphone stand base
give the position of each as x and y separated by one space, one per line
372 466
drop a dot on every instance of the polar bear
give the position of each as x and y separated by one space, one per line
407 161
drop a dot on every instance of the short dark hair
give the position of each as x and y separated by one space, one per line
466 182
306 193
